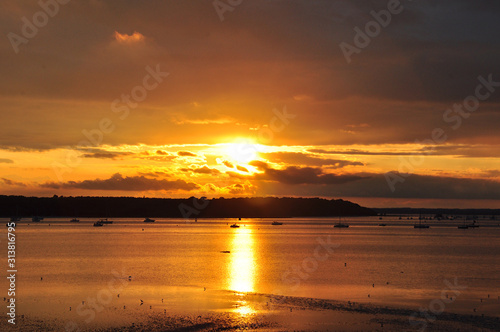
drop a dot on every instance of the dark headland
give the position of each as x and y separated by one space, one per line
269 207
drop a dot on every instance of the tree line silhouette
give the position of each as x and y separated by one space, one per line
268 207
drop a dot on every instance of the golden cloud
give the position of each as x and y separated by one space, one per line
128 39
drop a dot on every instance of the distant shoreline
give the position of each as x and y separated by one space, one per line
189 208
192 207
434 211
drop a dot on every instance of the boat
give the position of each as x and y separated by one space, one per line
464 226
420 225
277 223
36 219
74 220
149 220
473 225
235 226
382 224
340 224
98 224
105 221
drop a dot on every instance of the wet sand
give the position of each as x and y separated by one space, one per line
264 312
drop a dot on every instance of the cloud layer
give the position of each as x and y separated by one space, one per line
92 85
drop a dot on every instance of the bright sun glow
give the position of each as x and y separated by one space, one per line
242 151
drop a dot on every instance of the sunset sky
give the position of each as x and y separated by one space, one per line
166 99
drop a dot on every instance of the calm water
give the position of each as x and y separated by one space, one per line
183 264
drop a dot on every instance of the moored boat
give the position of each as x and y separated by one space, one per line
420 225
473 225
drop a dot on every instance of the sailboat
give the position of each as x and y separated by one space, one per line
106 220
340 224
420 225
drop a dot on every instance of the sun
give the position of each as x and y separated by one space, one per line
242 151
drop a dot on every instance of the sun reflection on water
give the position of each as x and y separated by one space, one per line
242 264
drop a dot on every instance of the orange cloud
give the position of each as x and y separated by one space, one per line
127 39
